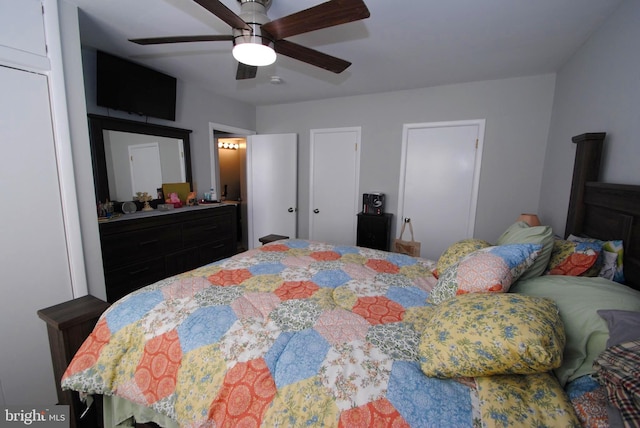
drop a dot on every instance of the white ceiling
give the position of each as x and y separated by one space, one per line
403 45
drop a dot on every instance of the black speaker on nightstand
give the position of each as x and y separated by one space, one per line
373 203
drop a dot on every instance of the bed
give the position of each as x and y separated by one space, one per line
304 333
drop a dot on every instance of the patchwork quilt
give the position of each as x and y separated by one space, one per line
296 333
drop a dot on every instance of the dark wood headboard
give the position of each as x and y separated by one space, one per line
604 211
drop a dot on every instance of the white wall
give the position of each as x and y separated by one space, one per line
597 90
517 113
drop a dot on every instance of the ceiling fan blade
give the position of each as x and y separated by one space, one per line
224 13
311 56
328 14
246 71
181 39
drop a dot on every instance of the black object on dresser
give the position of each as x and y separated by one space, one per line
68 325
374 231
140 251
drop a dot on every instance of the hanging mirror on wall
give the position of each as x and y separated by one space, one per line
114 140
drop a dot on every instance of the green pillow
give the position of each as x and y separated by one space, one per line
579 298
521 233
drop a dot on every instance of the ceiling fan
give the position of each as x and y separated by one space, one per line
254 34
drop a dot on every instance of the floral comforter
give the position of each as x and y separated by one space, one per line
296 333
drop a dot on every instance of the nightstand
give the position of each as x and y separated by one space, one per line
374 231
68 325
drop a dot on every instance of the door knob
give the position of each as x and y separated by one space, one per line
316 211
290 209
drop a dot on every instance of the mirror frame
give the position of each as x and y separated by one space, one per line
98 124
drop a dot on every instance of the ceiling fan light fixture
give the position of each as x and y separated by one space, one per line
252 53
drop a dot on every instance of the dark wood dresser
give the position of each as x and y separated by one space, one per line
139 249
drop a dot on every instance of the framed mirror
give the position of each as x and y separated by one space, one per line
114 140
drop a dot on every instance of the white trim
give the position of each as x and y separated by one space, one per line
480 123
62 137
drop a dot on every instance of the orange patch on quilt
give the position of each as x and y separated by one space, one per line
378 310
90 350
574 265
247 391
296 290
274 247
325 256
157 371
379 413
228 277
382 266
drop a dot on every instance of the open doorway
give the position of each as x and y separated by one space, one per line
219 131
232 189
268 181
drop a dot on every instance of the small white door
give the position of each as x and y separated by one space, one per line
439 177
146 173
333 194
272 186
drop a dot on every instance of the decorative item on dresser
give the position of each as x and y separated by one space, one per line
374 231
137 251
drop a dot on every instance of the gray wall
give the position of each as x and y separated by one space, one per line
517 113
598 90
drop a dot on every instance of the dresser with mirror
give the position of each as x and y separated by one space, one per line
145 246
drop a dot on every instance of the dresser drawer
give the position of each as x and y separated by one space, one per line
139 252
208 229
129 278
132 246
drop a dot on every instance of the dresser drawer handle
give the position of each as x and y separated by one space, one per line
218 246
210 228
150 242
138 272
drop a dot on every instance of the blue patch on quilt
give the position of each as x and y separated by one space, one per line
267 268
331 278
132 309
407 296
401 259
297 243
342 250
423 401
272 355
205 326
301 358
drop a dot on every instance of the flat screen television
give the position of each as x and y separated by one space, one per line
127 86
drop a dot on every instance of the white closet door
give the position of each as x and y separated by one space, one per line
438 191
272 185
33 255
333 195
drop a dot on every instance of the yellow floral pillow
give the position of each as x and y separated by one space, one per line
489 334
457 251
